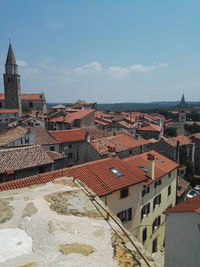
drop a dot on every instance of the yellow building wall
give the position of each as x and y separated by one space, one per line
166 201
116 204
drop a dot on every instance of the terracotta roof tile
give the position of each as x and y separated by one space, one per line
190 205
54 155
96 175
183 140
42 136
151 128
31 97
2 111
163 165
69 117
121 142
65 136
26 97
23 158
96 133
11 135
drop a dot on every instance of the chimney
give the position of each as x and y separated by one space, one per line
87 137
177 151
151 166
137 136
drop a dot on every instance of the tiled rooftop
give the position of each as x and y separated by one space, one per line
11 135
6 111
182 139
189 205
42 136
65 136
96 175
26 97
23 158
163 165
151 128
121 142
69 117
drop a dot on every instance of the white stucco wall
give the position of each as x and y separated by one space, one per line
182 240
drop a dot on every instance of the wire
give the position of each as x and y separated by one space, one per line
92 198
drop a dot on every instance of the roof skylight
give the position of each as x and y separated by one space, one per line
142 168
116 172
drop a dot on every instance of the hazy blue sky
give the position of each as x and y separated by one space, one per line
105 50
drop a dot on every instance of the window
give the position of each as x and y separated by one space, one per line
125 215
157 183
169 190
144 235
170 174
145 210
154 246
116 172
52 148
30 104
70 155
156 223
124 193
0 105
145 191
142 168
156 201
8 80
130 152
70 146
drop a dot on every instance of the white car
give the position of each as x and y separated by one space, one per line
195 191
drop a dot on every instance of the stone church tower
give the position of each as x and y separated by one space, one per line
182 111
12 83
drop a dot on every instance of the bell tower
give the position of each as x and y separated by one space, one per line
12 82
182 111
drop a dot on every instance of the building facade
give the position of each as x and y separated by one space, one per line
12 97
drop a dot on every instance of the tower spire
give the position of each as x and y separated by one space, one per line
183 104
10 60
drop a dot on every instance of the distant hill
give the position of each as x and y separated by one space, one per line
137 106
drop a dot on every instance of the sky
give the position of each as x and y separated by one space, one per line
105 51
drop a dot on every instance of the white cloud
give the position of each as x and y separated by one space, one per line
22 63
141 68
117 71
90 68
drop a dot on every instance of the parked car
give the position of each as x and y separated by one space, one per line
192 193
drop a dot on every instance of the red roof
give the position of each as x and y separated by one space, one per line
197 135
65 136
121 142
96 175
182 139
31 97
9 111
101 122
151 128
163 165
69 117
190 205
26 97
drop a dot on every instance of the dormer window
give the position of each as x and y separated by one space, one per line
116 172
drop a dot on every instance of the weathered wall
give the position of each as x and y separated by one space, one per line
182 240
